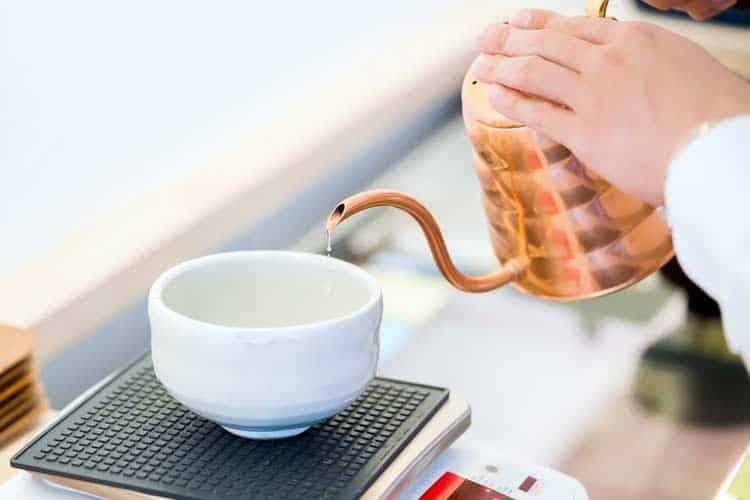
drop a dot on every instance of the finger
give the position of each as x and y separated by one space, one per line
530 75
668 4
552 45
543 116
592 29
701 10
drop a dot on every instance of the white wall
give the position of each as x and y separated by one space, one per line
103 100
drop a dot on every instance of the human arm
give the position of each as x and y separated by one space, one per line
708 205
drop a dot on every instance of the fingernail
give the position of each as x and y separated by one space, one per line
723 3
497 93
523 19
488 34
541 140
481 68
482 37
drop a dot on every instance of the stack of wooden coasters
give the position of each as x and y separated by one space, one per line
22 399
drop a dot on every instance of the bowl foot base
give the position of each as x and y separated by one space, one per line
264 435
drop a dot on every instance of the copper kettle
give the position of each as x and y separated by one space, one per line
561 231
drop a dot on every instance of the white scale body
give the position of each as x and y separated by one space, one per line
500 478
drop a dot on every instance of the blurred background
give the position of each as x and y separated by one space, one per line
137 135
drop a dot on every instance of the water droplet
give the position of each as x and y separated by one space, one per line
328 247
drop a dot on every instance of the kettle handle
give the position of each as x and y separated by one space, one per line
596 8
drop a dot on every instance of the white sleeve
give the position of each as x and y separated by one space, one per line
707 201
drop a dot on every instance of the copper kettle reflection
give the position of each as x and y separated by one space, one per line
560 231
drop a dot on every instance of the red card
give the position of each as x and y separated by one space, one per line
451 486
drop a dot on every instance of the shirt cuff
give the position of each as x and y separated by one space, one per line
708 203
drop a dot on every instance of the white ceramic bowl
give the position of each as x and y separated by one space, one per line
265 343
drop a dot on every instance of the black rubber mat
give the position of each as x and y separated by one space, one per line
132 434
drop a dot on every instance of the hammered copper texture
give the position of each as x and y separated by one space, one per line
560 231
579 236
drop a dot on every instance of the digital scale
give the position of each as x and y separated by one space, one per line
477 473
128 438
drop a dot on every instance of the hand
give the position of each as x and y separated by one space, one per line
698 9
622 96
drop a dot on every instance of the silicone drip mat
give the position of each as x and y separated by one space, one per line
132 434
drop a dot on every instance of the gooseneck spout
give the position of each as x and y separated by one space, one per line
382 197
